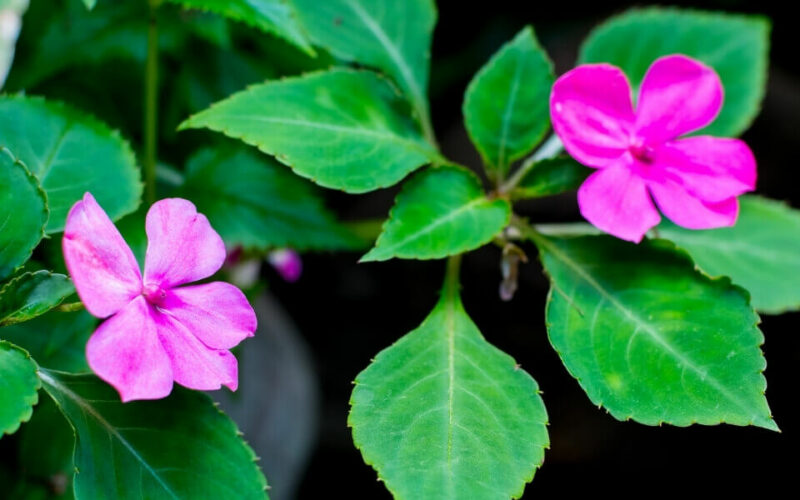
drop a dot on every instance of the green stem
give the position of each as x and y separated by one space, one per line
151 105
427 125
551 147
70 307
451 281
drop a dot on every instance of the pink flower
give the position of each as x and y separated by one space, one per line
157 331
638 154
287 262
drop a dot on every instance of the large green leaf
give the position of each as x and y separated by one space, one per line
444 414
18 387
736 46
32 294
46 443
70 153
342 129
179 447
392 36
441 211
551 176
254 202
506 109
649 337
273 16
23 213
761 252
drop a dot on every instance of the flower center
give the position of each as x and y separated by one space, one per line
642 152
154 294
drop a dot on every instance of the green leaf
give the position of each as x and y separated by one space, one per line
273 16
70 153
392 36
178 447
342 129
46 442
32 294
441 211
649 337
57 340
444 414
19 384
254 202
761 252
736 46
23 212
506 109
552 176
90 4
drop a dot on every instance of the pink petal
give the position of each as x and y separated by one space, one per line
615 200
710 168
678 95
125 352
182 246
101 264
194 365
688 211
592 113
216 313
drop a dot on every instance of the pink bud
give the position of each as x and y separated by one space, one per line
287 262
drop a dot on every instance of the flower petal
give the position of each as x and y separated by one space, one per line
216 313
194 365
615 200
182 246
100 263
592 113
690 212
710 168
125 352
678 95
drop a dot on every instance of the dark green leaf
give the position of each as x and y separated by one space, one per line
552 176
18 387
46 443
32 294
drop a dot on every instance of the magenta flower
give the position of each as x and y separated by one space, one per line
638 154
287 262
157 331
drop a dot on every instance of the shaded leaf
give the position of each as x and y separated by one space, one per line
19 384
552 176
32 294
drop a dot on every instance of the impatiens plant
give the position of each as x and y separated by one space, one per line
656 320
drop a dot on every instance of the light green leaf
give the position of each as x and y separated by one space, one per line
254 202
441 211
551 176
23 213
392 36
506 109
761 252
71 154
90 4
649 337
444 414
32 294
736 46
273 16
178 447
18 387
342 129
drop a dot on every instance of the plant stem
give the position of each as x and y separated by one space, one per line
427 126
151 104
551 147
70 307
451 281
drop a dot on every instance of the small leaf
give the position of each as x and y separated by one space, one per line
649 337
23 213
444 414
32 294
178 447
735 46
552 176
441 211
71 154
342 129
254 202
506 109
273 16
19 387
761 252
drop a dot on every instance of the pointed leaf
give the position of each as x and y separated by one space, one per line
649 337
342 129
552 176
441 211
506 109
32 294
179 447
70 153
19 387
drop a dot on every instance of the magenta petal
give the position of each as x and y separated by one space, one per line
690 212
216 313
125 352
182 246
710 168
194 365
678 95
615 200
100 263
592 113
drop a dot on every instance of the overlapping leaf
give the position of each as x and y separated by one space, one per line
32 294
552 176
19 384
